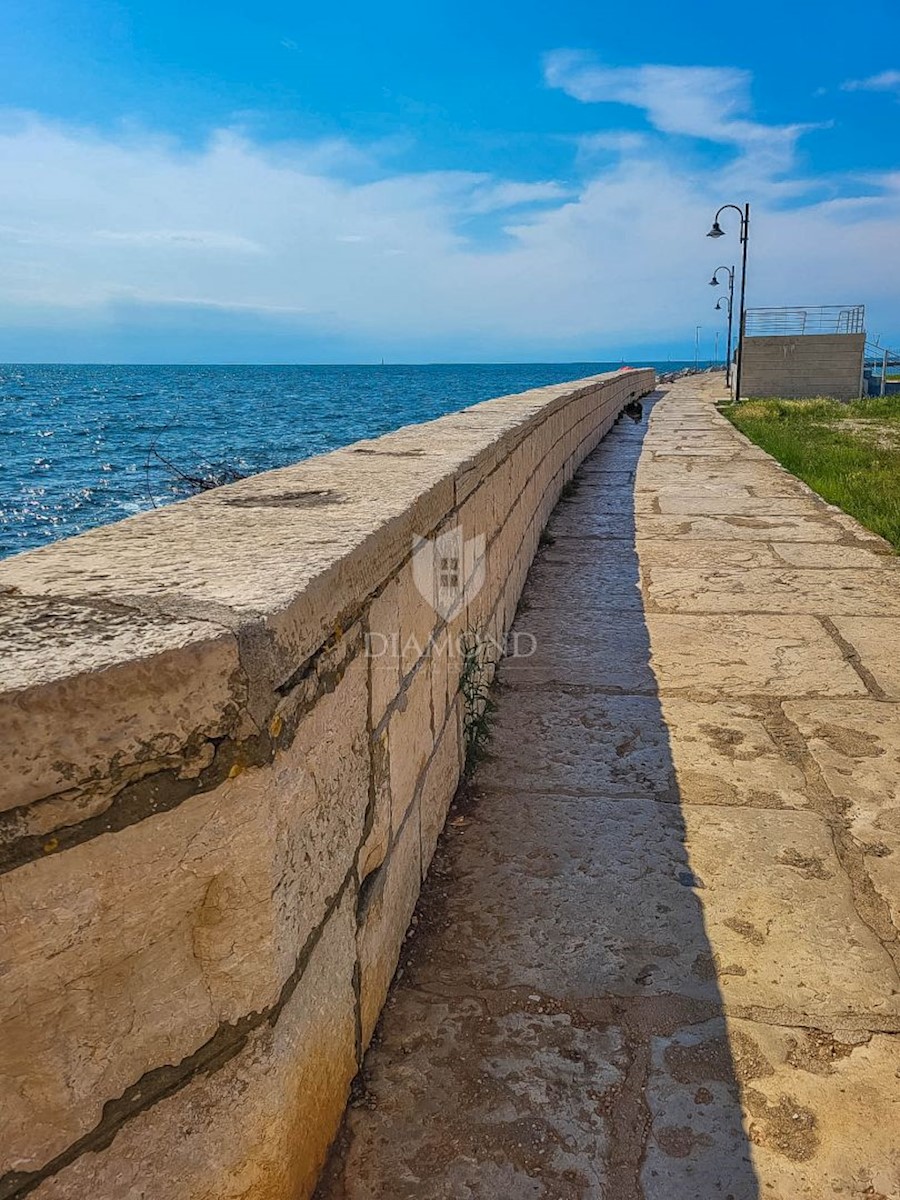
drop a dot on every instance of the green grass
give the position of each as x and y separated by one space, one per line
848 453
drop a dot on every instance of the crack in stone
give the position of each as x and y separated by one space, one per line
161 1082
851 656
163 790
872 909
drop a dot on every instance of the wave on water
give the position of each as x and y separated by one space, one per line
84 445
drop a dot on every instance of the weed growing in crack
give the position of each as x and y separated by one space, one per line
478 707
546 539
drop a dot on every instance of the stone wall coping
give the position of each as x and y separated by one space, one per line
327 531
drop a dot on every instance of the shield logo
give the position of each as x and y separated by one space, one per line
449 570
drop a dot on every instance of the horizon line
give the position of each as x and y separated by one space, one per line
560 362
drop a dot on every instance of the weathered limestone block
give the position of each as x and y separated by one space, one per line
444 675
383 649
120 693
439 784
386 905
128 951
508 480
298 547
476 514
410 738
260 1125
319 790
378 837
418 617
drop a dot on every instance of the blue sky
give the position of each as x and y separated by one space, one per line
273 182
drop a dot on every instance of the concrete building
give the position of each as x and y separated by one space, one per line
801 352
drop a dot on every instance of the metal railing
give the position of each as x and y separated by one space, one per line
881 370
797 322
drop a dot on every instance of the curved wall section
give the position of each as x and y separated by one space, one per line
231 730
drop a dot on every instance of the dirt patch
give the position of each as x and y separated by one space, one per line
876 433
786 1127
724 740
701 1063
854 743
816 1052
810 866
679 1141
749 1060
746 929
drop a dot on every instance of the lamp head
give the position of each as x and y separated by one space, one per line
717 231
713 282
718 306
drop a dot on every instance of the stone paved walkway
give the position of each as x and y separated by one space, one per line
658 952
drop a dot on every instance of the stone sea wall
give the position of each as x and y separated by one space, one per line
231 730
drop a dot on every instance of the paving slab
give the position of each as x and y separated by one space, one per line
732 752
698 555
856 744
604 499
576 744
742 655
614 556
876 641
829 593
726 501
612 653
671 749
809 1100
614 477
790 527
597 901
569 594
486 1100
834 558
781 919
759 478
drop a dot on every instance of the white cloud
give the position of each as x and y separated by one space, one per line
201 238
99 230
612 141
492 196
712 103
887 81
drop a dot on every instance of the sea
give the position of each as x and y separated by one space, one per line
82 446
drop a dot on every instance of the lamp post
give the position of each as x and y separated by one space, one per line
697 348
714 282
716 232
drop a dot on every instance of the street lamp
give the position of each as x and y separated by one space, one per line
716 232
714 282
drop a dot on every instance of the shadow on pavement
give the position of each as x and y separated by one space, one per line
556 1028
